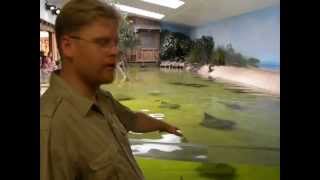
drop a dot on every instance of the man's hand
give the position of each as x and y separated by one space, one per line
172 130
145 123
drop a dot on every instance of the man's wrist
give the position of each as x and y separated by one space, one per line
163 126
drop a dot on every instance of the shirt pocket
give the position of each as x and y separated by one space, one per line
104 167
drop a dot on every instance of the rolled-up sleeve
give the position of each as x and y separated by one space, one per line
125 115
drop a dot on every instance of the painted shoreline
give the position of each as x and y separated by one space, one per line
267 81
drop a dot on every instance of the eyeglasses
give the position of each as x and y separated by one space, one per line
102 43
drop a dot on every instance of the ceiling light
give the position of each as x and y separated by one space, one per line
167 3
49 6
57 11
137 11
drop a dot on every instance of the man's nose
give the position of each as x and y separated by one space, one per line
114 50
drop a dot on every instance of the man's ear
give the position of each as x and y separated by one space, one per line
67 46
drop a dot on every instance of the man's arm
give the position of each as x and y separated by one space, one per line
140 122
144 123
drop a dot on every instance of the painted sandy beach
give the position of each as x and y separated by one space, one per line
264 80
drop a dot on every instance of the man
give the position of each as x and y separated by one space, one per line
84 130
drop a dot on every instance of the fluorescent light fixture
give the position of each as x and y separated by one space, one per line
167 3
139 11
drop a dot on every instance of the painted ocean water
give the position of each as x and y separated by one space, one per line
275 67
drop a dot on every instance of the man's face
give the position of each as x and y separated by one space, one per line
94 51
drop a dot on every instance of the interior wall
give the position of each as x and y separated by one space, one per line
149 39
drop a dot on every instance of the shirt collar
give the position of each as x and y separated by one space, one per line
82 104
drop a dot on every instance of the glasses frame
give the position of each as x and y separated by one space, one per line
102 44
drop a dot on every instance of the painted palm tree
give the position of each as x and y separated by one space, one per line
220 56
128 41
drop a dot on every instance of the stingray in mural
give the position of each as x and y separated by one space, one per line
216 123
188 84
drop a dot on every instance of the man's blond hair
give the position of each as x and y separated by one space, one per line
77 13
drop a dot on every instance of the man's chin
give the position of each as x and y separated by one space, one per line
108 80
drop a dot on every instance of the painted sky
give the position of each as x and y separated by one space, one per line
255 34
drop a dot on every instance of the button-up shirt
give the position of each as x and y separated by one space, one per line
82 139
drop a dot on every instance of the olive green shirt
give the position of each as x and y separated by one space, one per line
82 139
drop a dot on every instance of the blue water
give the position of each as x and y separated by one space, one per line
269 66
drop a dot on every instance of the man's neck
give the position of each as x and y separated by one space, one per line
85 89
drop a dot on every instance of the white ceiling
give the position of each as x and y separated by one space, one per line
199 12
